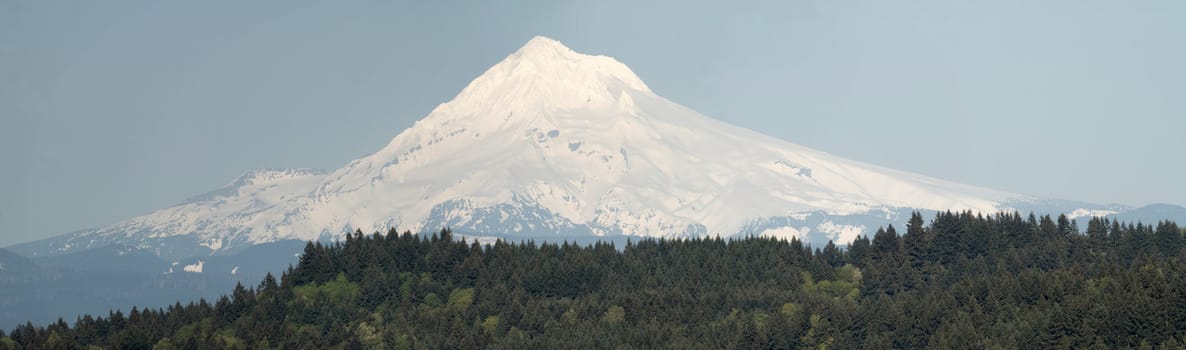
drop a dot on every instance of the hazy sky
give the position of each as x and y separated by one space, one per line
112 109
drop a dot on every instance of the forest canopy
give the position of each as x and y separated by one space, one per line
963 281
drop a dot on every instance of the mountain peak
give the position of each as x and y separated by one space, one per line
541 45
549 60
543 76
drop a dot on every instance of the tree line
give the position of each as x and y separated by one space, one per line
965 281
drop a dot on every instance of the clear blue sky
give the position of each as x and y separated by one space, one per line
113 109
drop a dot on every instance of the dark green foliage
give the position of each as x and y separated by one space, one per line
965 281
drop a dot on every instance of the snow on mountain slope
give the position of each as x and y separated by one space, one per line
553 143
242 211
584 138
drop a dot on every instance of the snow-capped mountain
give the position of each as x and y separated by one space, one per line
550 143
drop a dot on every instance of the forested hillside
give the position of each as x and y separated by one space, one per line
964 281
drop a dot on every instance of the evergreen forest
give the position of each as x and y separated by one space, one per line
963 281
